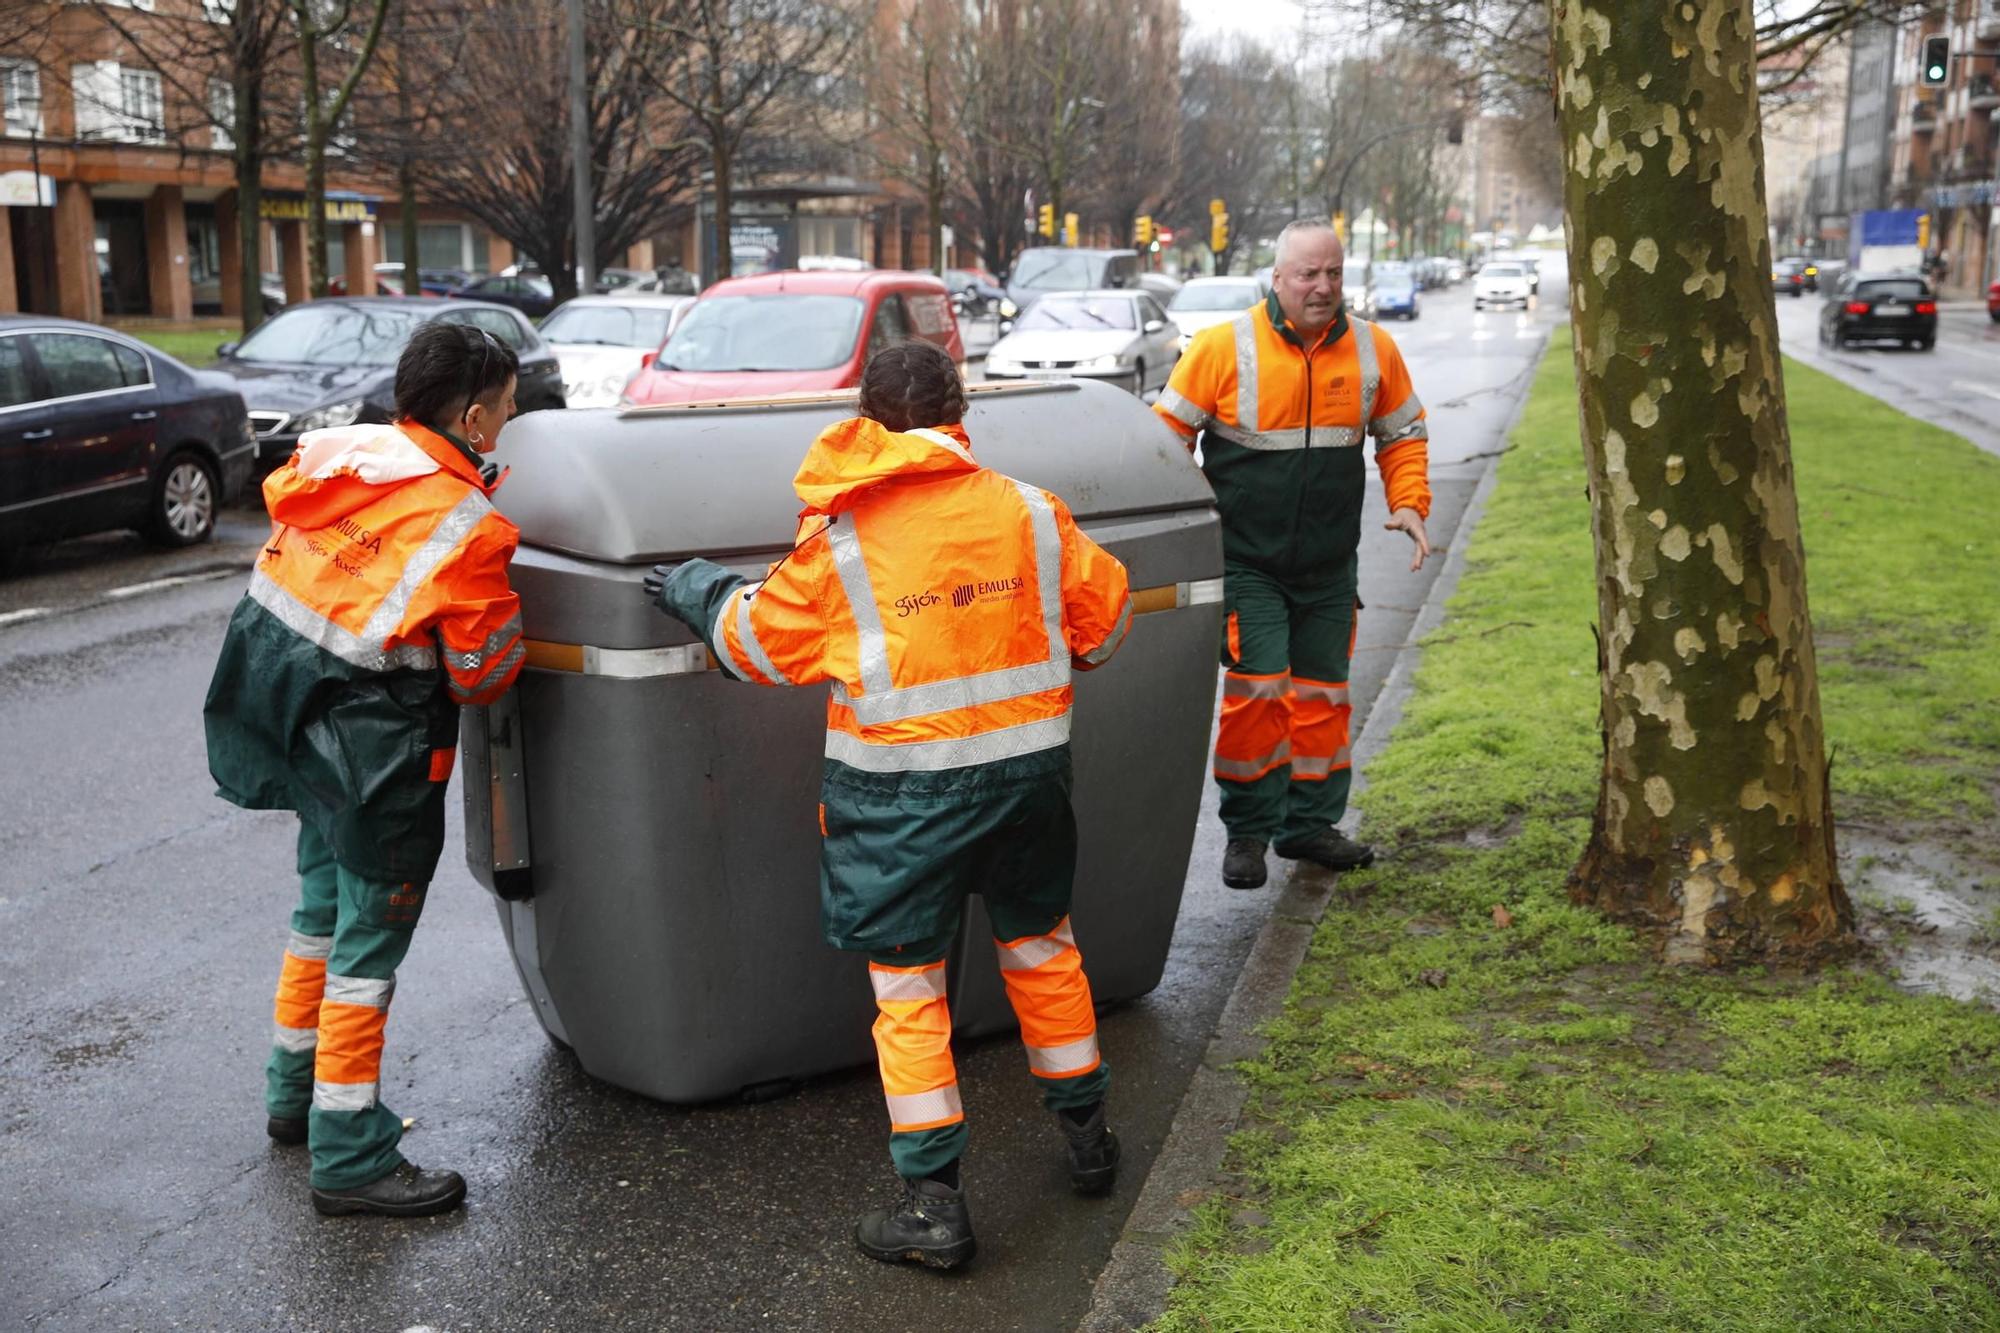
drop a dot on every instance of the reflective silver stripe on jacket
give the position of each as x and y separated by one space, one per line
495 641
925 1108
873 648
1048 566
923 985
1245 327
1322 765
1180 409
1371 370
367 991
1255 687
459 520
1074 1057
343 643
1025 955
295 1040
942 696
466 693
1400 425
309 946
723 657
1101 654
344 1096
747 632
943 441
1249 770
956 752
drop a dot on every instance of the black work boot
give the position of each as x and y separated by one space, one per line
1093 1150
289 1130
408 1191
1243 863
931 1227
1328 847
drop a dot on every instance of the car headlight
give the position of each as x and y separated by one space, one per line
1008 309
324 418
1111 362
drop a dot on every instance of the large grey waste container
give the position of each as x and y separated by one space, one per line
654 826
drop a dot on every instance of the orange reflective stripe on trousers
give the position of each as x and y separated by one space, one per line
1256 732
1051 998
1320 720
347 1068
913 1047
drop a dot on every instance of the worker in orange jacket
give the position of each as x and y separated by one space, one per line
1279 401
378 606
947 604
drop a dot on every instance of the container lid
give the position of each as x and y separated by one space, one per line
667 483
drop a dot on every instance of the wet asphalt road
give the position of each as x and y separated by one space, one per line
140 925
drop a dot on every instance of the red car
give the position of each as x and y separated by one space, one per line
792 332
1993 302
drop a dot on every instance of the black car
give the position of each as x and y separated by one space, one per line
1879 307
530 293
98 431
333 362
1788 276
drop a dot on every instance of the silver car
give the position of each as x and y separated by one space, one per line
1118 335
602 341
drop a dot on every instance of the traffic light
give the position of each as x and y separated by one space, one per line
1923 231
1937 60
1045 222
1069 229
1340 226
1218 232
1142 231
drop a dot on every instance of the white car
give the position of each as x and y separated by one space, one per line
601 341
1205 302
1501 283
1113 334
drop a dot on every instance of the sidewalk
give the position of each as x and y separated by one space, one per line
1481 1107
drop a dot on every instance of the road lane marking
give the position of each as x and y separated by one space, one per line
157 585
1976 388
28 613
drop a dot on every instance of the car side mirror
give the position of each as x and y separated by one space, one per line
646 361
1155 325
226 350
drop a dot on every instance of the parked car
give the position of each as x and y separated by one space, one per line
1832 273
602 341
1993 303
1206 301
100 431
621 279
333 362
792 332
1059 268
1112 334
1395 293
1161 286
974 292
1880 308
1788 277
1501 282
530 293
430 281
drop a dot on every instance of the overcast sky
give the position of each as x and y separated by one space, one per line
1266 18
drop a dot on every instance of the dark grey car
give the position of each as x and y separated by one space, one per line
333 362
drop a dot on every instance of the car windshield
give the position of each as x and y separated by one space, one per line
1096 312
1394 282
332 335
1215 296
1903 289
609 325
1501 271
1054 270
783 331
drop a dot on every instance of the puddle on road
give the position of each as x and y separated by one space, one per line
1935 918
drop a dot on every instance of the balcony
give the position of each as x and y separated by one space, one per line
1923 118
1986 24
1982 94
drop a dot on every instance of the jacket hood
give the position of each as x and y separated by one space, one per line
852 457
335 472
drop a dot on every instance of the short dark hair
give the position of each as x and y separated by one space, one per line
911 384
447 367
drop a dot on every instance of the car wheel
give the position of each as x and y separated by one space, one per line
184 501
1139 380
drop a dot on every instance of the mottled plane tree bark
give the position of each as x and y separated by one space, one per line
1713 817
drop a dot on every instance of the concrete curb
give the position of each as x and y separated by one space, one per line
1132 1289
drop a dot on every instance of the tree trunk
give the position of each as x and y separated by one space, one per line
725 262
1713 817
249 143
406 185
315 149
934 213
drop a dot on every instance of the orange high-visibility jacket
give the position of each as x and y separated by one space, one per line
379 604
1282 421
946 603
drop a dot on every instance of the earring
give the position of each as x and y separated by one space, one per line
478 439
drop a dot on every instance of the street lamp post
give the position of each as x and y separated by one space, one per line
1451 124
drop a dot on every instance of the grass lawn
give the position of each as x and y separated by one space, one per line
194 344
1463 1126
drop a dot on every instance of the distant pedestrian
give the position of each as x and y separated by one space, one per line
948 605
378 606
1281 400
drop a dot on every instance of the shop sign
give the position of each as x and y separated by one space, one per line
292 208
25 189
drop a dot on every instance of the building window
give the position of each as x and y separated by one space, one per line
21 96
145 110
221 115
118 103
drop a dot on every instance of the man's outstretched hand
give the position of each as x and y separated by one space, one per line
1410 521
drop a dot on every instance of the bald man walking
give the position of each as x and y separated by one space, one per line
1280 400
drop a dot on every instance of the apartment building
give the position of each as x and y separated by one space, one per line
1942 147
